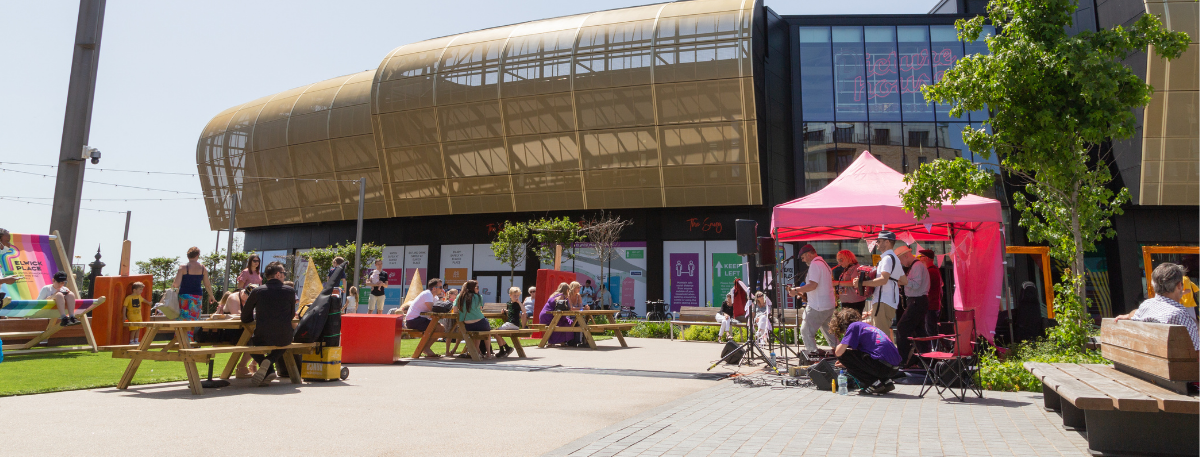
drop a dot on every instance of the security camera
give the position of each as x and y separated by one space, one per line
91 153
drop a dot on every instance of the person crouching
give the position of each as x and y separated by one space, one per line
865 352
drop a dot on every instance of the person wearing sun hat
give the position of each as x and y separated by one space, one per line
889 276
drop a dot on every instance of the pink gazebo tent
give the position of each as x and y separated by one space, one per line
866 199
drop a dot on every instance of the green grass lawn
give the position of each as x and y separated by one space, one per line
84 370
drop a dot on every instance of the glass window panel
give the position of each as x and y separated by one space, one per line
612 69
690 62
420 189
309 127
703 144
542 153
619 107
884 139
945 50
321 213
279 194
699 27
416 59
480 185
612 37
531 77
475 158
883 84
353 94
979 46
217 124
620 148
539 114
949 141
405 94
702 101
354 153
849 66
469 122
915 71
816 73
348 187
310 158
469 73
415 163
540 46
250 199
547 182
408 128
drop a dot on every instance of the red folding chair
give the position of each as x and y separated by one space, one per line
947 371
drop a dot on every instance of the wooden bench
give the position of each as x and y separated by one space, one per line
1121 413
514 336
618 330
1160 354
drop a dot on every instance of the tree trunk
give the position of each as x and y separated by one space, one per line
1077 263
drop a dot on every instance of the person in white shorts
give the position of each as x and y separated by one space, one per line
378 282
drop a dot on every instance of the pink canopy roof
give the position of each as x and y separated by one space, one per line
866 196
865 199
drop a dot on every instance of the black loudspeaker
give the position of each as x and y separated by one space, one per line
824 375
747 233
766 251
736 349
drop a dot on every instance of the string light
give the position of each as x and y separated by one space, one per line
264 178
48 204
106 183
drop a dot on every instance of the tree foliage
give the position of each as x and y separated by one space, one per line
549 233
511 245
215 263
1056 100
162 268
323 258
604 232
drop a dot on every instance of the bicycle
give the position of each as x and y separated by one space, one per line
627 312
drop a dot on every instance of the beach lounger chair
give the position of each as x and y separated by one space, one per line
35 261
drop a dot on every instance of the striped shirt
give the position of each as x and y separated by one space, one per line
1164 310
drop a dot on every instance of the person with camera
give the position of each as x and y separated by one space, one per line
865 352
889 276
818 284
271 308
379 282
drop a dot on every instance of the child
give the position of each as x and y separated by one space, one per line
63 298
133 309
515 315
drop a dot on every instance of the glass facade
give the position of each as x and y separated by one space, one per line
649 106
861 90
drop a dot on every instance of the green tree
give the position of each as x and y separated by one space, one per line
215 263
162 268
551 233
1056 100
511 245
323 257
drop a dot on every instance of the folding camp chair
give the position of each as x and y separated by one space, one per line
947 371
35 260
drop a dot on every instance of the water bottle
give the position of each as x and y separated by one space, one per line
841 382
773 359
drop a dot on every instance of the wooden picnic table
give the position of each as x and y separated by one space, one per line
458 331
181 349
584 325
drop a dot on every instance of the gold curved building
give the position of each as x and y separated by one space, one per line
644 107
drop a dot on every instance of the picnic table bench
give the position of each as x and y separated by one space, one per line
181 349
458 331
1119 408
707 316
583 319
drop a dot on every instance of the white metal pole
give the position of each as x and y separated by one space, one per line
362 195
229 242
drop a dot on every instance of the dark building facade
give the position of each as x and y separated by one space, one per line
681 117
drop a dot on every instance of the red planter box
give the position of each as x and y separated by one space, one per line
371 338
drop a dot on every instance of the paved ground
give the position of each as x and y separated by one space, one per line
652 399
732 420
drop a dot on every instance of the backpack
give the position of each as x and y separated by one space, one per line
443 307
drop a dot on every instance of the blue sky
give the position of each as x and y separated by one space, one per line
166 68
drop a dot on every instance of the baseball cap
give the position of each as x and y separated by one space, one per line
807 248
886 235
60 277
928 253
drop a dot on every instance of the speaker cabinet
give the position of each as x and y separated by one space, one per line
766 251
747 236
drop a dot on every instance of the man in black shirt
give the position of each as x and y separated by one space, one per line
272 307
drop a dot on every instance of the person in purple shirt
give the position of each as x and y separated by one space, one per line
865 352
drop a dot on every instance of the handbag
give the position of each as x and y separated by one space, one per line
562 305
170 304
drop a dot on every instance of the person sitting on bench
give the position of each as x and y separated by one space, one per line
413 320
63 298
470 310
272 306
865 352
725 318
1164 307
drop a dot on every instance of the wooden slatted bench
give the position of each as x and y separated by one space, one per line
1120 413
618 330
1157 353
514 336
707 316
